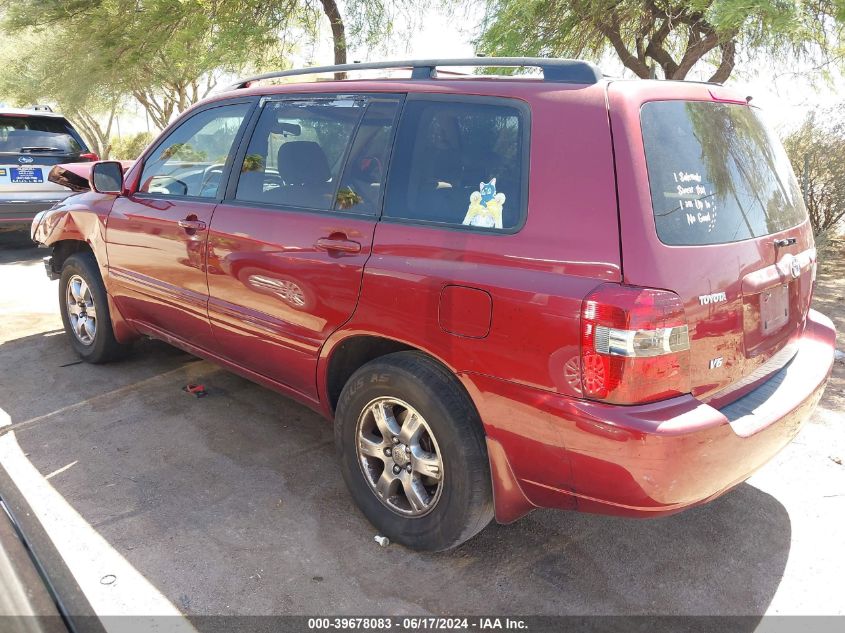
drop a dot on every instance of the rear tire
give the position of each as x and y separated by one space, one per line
85 310
429 488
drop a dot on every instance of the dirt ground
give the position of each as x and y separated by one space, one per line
233 504
830 299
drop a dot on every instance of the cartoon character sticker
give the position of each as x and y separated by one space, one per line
485 207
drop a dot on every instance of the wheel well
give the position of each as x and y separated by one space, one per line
64 249
352 354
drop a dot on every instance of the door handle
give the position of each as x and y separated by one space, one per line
337 244
192 225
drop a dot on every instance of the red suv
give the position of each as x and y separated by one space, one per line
508 293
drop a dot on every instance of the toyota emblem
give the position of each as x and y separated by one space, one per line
25 159
795 268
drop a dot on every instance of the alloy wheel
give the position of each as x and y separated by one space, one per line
81 311
399 457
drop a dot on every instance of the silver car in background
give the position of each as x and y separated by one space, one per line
31 142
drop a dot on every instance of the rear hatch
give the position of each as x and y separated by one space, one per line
711 211
29 147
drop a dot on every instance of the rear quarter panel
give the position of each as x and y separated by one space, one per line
536 277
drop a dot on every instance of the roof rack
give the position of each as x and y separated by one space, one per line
571 71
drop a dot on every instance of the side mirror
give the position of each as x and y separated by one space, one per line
107 177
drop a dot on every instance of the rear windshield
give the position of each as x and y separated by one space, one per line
716 173
37 134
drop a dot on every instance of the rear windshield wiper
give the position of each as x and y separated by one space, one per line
39 149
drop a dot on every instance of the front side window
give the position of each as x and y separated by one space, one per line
297 152
191 160
459 163
716 173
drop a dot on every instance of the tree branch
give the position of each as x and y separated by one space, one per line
694 53
611 32
658 53
726 66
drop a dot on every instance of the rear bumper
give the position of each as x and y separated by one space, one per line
644 460
18 214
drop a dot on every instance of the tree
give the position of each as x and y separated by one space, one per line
816 150
29 77
167 54
674 36
130 147
367 21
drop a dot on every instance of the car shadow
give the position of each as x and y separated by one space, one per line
14 241
16 252
234 504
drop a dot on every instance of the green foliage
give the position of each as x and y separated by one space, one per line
816 150
130 147
674 37
253 162
347 198
92 55
184 152
28 76
167 54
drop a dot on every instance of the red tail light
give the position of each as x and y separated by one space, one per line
634 345
90 156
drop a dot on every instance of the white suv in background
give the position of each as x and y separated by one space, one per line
31 142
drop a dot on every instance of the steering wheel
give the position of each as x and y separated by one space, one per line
156 188
211 171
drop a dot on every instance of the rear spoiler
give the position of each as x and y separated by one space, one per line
77 176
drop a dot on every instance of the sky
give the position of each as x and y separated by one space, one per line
784 96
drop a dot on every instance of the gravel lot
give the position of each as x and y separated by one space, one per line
233 504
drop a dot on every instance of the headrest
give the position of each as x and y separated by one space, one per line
303 162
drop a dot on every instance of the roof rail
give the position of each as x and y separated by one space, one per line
572 71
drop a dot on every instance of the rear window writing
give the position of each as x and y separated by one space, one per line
716 173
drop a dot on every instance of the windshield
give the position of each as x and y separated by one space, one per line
37 134
716 173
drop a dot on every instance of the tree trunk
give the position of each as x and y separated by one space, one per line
694 53
726 65
332 12
632 62
159 113
97 136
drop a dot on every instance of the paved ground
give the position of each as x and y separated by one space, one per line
233 503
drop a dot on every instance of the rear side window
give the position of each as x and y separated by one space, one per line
716 173
460 163
37 134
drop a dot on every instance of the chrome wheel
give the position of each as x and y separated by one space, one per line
81 311
399 457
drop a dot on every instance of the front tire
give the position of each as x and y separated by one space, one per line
413 452
85 310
